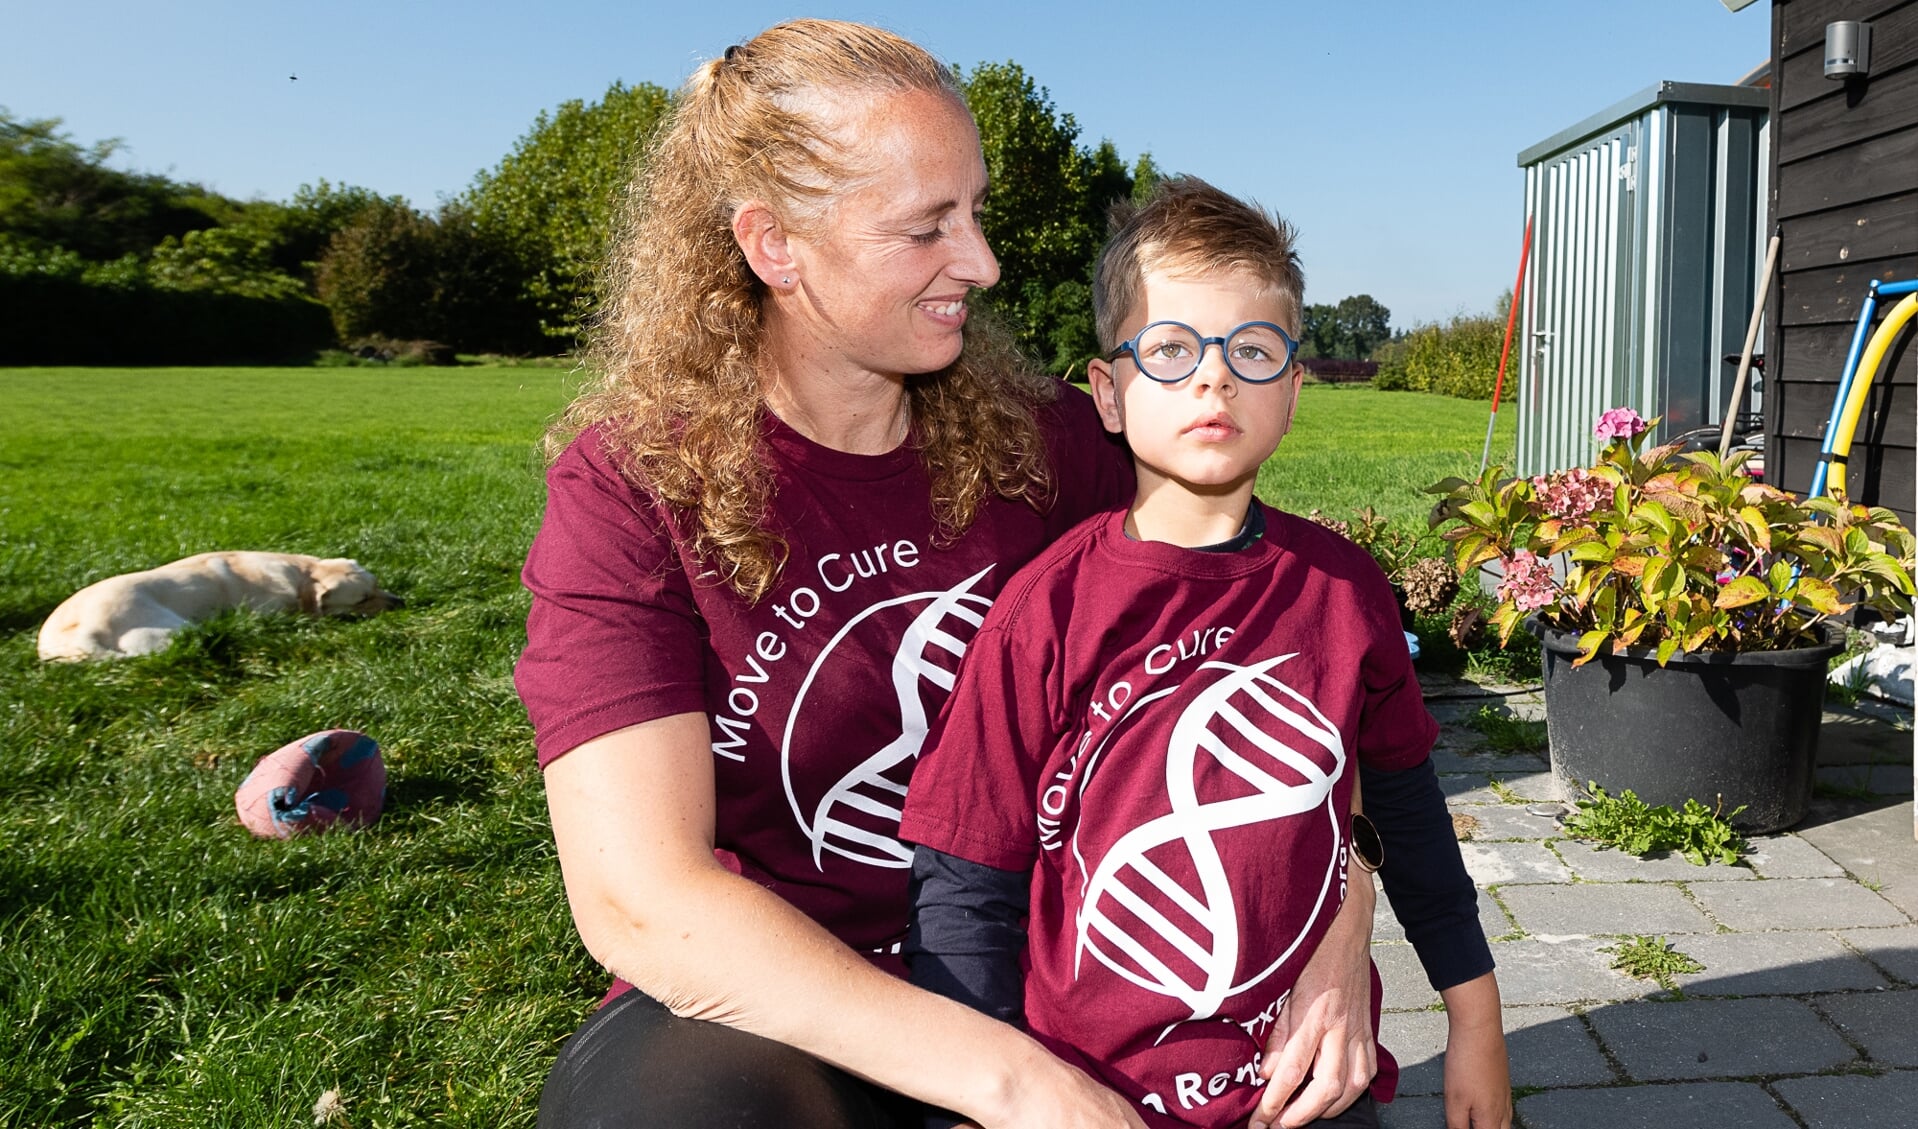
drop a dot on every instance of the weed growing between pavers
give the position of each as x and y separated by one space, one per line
1649 958
1506 733
1624 821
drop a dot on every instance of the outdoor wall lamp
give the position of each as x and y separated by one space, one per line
1847 49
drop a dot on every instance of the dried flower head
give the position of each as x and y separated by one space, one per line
1429 585
1331 523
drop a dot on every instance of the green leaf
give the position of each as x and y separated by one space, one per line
1756 527
1648 579
1818 595
1448 485
1745 590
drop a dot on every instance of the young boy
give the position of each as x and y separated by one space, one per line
1150 753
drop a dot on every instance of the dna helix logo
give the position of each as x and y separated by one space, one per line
1251 724
857 818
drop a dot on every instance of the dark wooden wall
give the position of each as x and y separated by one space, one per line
1844 194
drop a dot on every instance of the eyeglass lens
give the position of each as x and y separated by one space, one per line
1168 351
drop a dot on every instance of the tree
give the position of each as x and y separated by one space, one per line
376 274
395 272
56 193
552 198
1347 331
1045 217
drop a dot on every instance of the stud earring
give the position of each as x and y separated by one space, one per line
786 280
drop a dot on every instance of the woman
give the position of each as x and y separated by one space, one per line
801 480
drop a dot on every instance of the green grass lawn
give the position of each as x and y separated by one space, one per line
158 965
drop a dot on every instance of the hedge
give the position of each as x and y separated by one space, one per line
55 321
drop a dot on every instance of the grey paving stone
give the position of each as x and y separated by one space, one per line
1605 908
1661 1042
1880 1022
1417 1040
1773 964
1472 758
1547 1046
1788 856
1876 779
1510 821
1612 865
1413 1113
1402 977
1475 788
1854 737
1871 839
1655 1107
1560 971
1467 788
1794 903
1894 950
1491 919
1454 711
1848 1101
1500 864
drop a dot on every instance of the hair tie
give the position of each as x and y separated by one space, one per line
732 52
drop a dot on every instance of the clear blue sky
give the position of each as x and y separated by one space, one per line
1387 131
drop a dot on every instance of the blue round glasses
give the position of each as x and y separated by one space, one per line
1257 352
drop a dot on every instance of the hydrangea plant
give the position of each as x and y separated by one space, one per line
1672 551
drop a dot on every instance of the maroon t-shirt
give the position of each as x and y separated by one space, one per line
1168 739
820 695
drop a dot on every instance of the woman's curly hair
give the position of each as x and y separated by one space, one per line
676 346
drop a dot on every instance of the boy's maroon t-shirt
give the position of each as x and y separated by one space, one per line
1168 740
820 695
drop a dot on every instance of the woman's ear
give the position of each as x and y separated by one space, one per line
762 237
1105 395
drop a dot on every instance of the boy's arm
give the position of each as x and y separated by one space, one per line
1478 1077
965 938
967 932
1424 874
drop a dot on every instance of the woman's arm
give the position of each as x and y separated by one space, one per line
633 817
1325 1027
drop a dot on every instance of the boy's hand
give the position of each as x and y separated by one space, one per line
1478 1077
1325 1027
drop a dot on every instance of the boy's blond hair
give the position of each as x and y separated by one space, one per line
1187 227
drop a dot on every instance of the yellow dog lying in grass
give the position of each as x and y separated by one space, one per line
137 613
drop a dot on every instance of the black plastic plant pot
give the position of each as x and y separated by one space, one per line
1718 728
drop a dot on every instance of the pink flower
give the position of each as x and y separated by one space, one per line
1572 495
1618 423
1528 583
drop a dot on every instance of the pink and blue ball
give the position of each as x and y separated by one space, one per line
332 777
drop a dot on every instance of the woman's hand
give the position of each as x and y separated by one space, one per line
1325 1027
1056 1095
1478 1078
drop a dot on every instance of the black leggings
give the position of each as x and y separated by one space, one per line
635 1065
